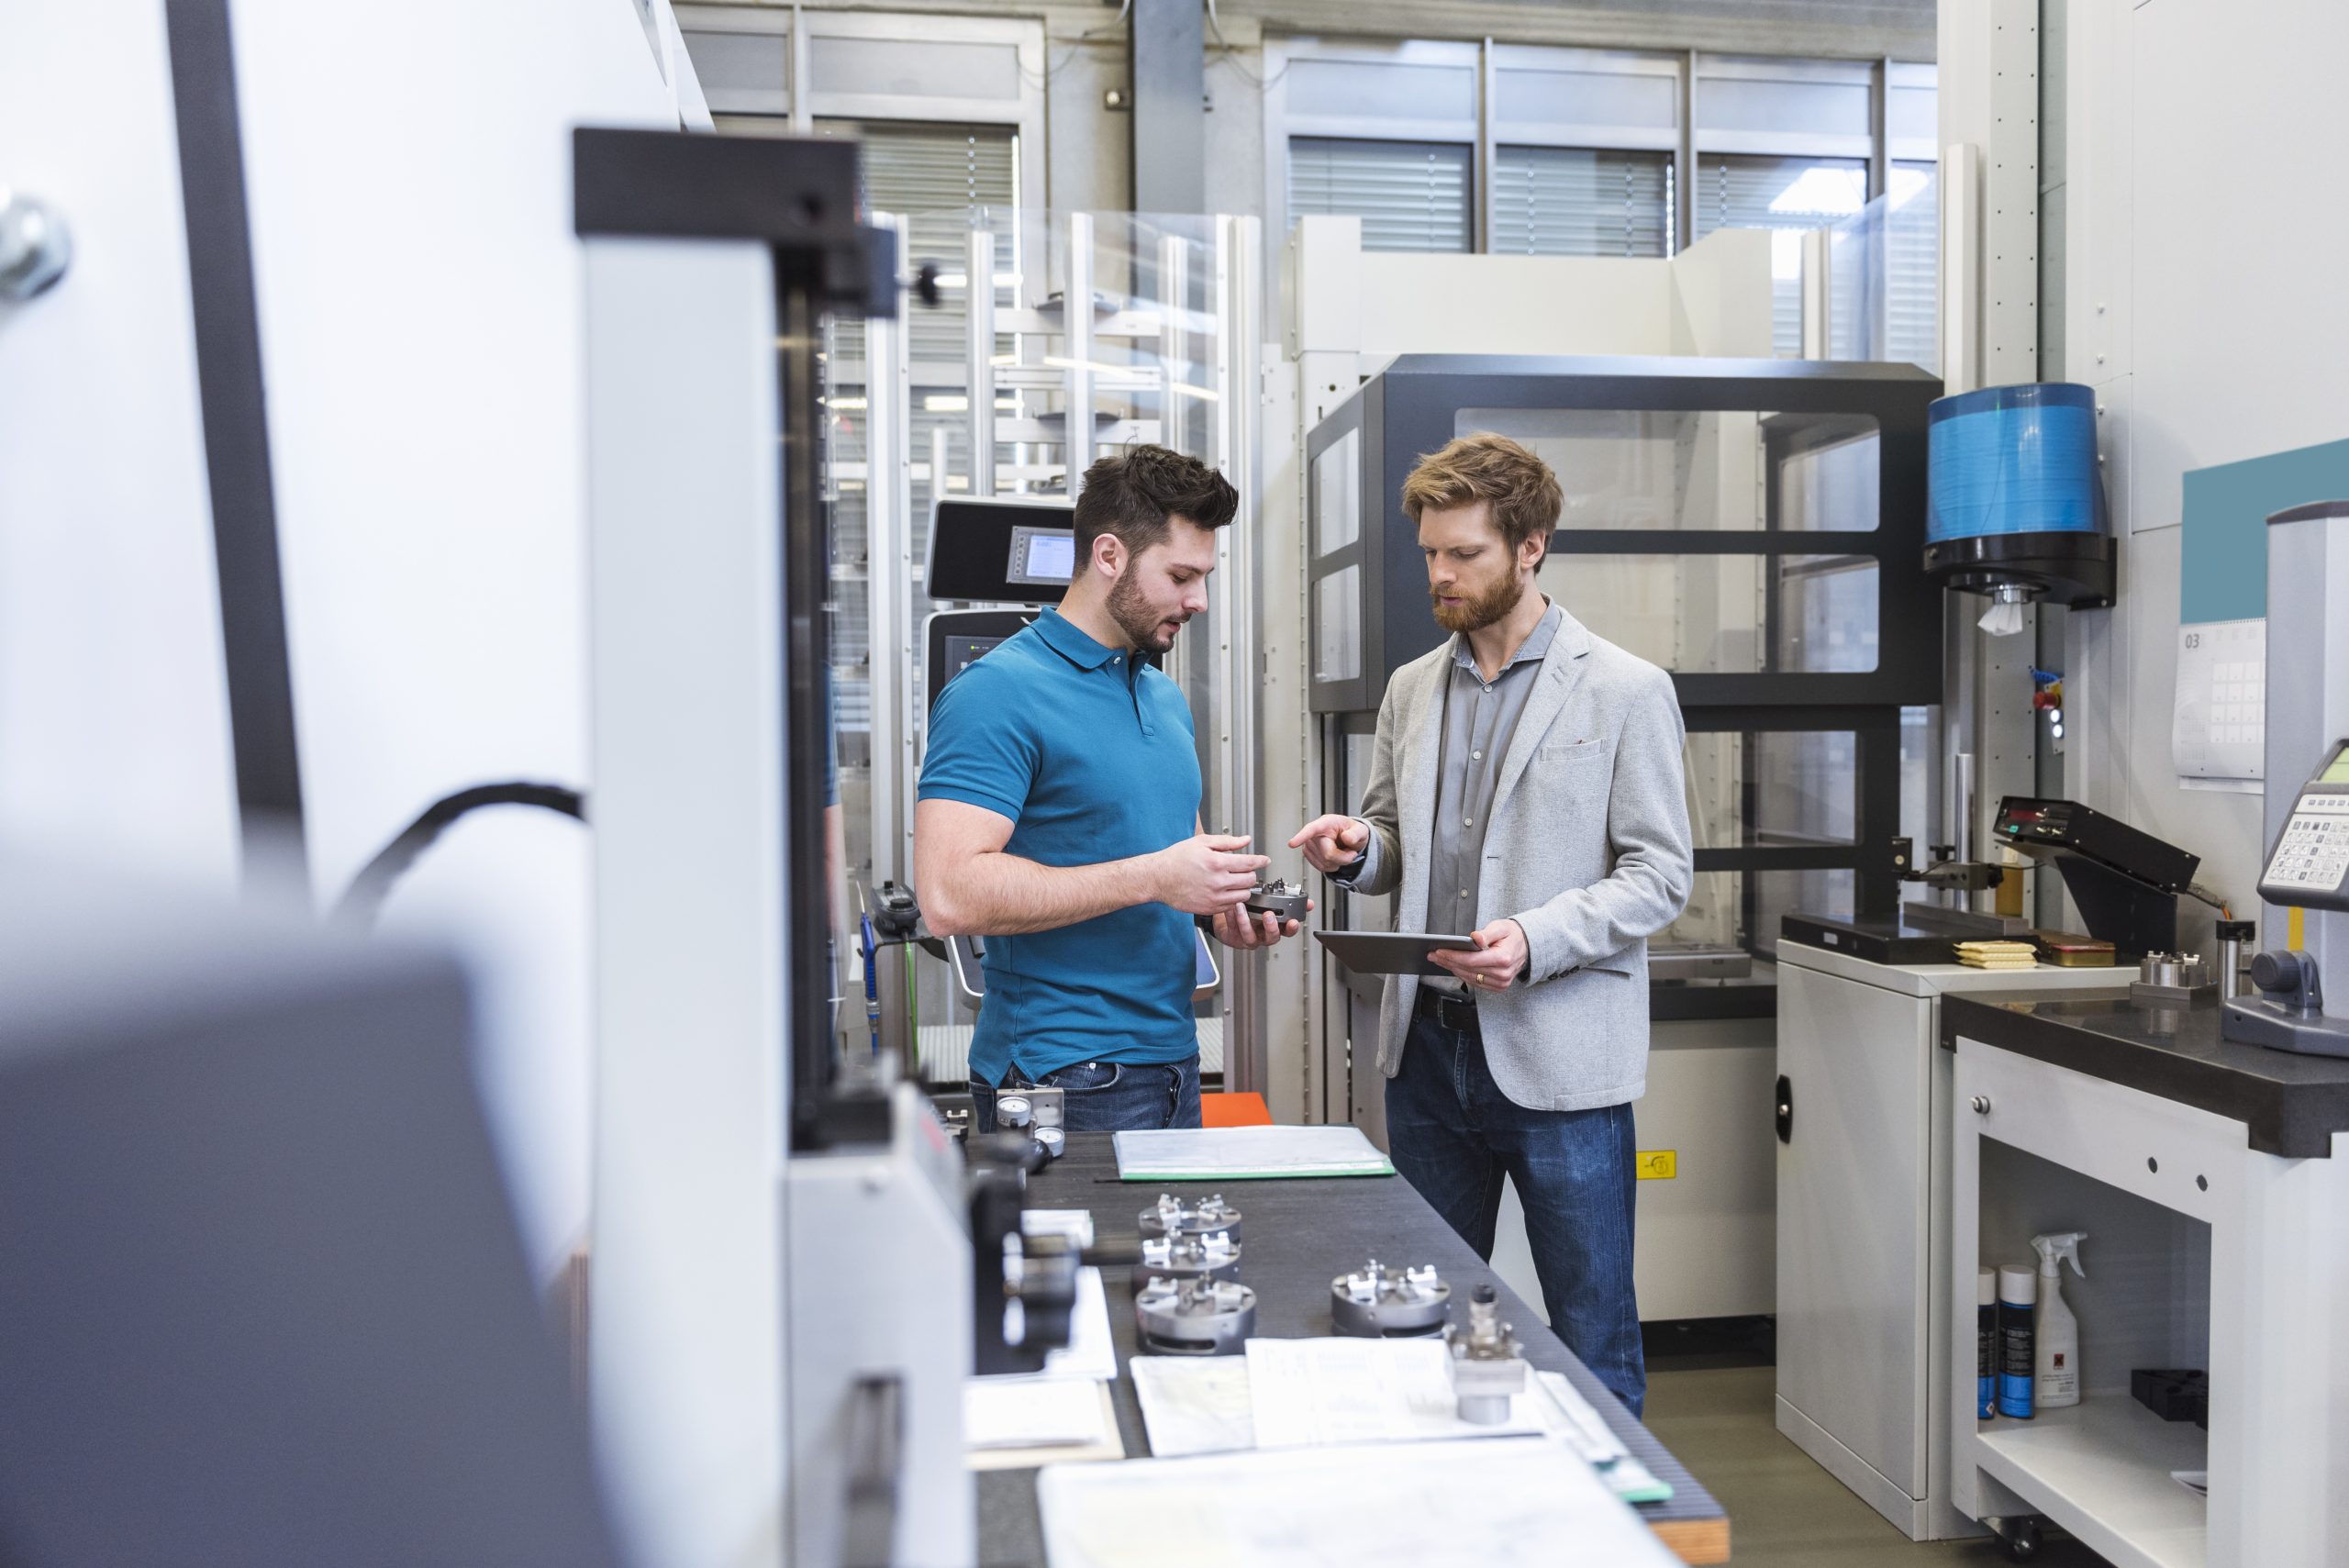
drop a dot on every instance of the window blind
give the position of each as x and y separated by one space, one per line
1791 194
1572 201
1912 267
1411 196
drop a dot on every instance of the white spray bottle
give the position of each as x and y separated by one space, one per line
2056 1369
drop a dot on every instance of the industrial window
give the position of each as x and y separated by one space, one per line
1789 195
1572 201
1913 264
1411 196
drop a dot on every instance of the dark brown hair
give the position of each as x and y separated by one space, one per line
1486 467
1134 494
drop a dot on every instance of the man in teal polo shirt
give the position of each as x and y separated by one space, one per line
1058 816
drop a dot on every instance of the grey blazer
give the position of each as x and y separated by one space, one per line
1588 849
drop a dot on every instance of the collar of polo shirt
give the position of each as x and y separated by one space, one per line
1072 644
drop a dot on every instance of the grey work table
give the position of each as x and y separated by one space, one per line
1296 1236
2291 1105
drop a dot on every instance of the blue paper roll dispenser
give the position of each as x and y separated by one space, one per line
2014 499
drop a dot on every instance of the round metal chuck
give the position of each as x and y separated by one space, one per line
1282 899
1488 1364
1170 1216
1188 1257
1379 1303
1199 1317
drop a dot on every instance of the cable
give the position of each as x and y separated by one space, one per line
1232 52
364 897
2196 891
1125 8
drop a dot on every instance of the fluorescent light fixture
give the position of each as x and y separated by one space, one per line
1187 390
843 405
945 403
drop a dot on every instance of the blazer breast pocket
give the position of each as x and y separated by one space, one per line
1574 753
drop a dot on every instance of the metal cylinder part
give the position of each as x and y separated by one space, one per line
2235 939
1194 1316
1488 1364
1188 1257
1170 1216
1379 1303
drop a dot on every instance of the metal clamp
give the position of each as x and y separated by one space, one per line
1215 1256
1195 1317
1380 1302
1170 1216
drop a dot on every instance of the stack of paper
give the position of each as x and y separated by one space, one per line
1998 955
1320 1393
1246 1153
1505 1504
1063 1413
1311 1393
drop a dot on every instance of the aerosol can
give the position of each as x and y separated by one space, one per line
2056 1332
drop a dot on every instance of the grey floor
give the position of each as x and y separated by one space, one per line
1715 1414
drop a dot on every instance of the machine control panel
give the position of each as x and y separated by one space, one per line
2308 864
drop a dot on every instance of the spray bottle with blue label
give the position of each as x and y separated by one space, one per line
2056 1332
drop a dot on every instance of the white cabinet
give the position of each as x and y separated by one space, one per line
1863 1255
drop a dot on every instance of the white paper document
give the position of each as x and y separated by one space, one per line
1246 1153
1505 1504
2219 727
1091 1354
1033 1412
1314 1392
1194 1404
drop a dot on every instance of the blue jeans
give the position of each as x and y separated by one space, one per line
1454 1135
1107 1096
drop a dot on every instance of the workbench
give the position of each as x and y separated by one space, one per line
2213 1180
1298 1236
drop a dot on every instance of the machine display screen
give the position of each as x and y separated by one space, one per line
961 653
2336 772
1045 557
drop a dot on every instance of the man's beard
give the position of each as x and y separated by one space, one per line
1135 617
1477 613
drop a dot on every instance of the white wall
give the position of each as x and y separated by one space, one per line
2202 299
408 165
114 740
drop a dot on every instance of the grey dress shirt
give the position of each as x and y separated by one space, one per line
1479 718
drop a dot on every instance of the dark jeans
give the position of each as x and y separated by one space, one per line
1454 1135
1107 1096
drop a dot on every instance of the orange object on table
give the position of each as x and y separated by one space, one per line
1235 1110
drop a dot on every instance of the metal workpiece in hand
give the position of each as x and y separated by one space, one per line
1488 1364
1379 1303
1285 900
1214 1256
1170 1216
1195 1317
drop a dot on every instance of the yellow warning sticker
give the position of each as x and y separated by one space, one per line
1658 1164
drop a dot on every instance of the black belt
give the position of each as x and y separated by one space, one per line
1449 1011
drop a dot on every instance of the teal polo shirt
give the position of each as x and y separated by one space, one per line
1089 752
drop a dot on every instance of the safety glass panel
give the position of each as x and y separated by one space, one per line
1726 614
1337 503
1744 909
1698 470
1794 788
1336 626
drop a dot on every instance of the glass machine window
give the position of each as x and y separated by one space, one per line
1756 535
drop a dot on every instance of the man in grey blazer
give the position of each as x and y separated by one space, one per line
1525 786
